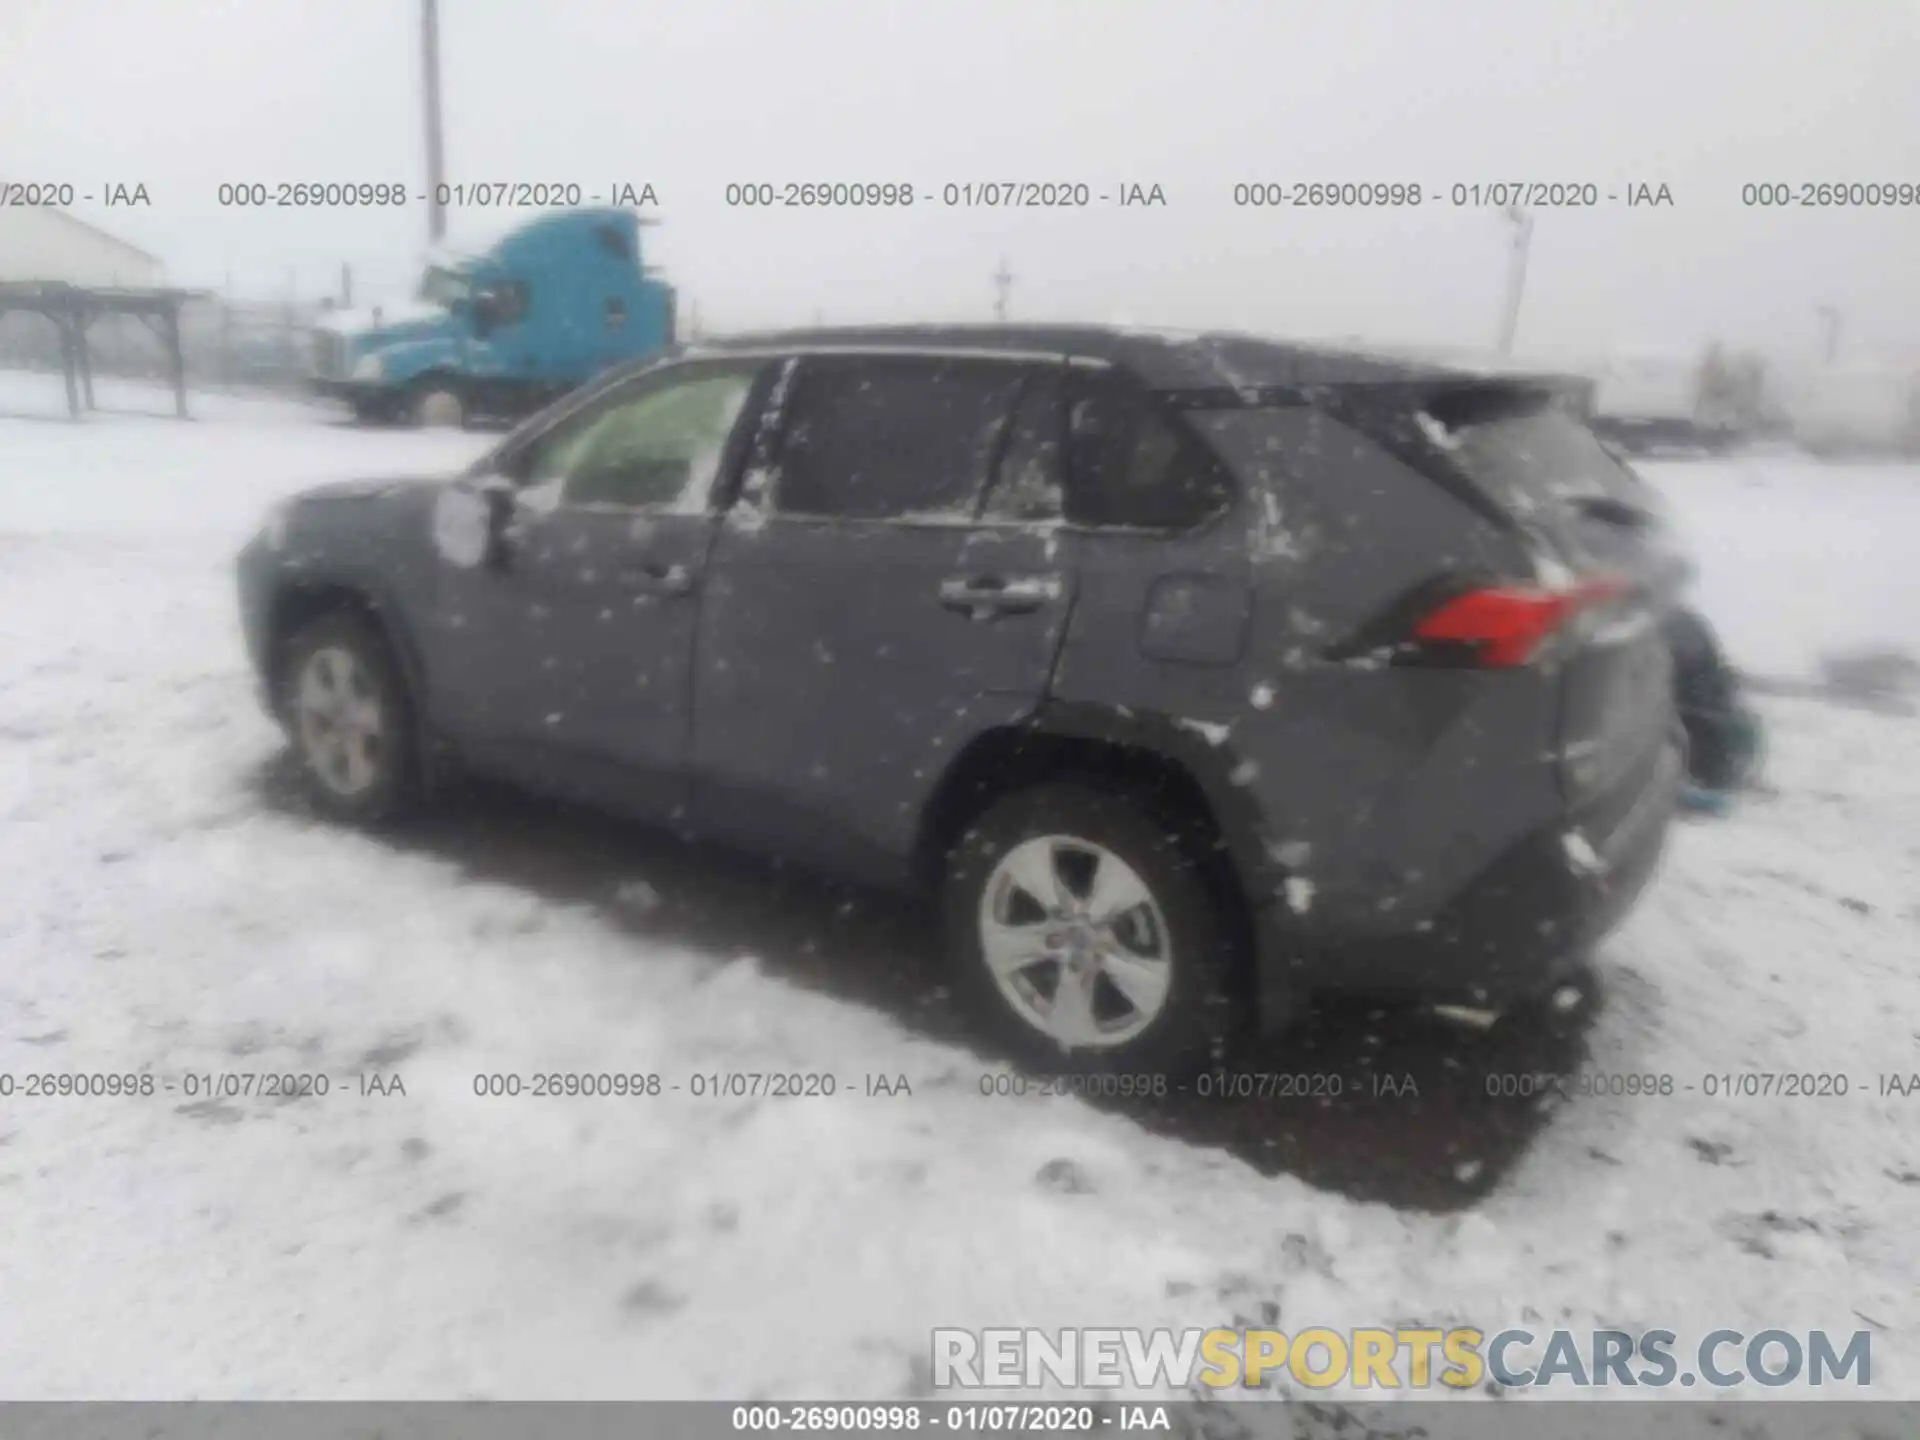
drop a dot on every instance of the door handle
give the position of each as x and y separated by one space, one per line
995 595
654 578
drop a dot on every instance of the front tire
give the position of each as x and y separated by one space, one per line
350 719
438 406
1087 936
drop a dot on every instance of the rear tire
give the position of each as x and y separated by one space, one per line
1564 1008
350 718
1087 937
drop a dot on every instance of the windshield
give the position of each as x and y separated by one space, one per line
442 287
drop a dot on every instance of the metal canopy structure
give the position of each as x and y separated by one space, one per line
73 308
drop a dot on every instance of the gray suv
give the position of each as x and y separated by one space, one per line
1197 674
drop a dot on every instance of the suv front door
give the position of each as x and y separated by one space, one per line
876 602
565 658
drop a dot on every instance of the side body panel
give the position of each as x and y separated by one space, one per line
835 684
844 663
1382 788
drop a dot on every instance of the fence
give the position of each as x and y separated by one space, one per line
249 343
226 344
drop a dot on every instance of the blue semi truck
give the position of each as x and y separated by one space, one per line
504 331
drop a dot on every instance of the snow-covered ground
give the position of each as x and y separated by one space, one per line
1797 558
168 911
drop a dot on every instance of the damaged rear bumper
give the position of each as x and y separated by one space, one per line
1521 926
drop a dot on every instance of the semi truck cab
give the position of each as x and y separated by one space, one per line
503 331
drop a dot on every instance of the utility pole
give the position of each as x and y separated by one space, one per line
1002 282
1830 324
1522 222
436 168
227 366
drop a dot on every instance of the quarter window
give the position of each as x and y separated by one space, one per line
660 446
1130 468
887 438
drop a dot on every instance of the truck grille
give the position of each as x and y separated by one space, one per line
329 355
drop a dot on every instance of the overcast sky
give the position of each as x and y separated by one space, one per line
1192 95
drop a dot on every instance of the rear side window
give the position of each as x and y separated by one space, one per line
612 241
1131 468
886 438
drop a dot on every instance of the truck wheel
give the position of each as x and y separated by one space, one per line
347 711
1088 938
440 407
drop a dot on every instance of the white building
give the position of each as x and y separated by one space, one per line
1649 385
41 243
1864 405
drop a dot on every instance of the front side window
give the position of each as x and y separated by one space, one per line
511 303
1130 468
443 287
660 445
885 437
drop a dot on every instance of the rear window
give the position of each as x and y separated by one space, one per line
1528 454
1544 467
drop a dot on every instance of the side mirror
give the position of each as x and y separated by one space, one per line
474 522
501 502
484 310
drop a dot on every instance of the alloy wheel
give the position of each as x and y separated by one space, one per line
1075 942
341 721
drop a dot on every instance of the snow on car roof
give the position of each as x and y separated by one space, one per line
1162 359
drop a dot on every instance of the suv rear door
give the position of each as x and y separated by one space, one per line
1165 585
870 609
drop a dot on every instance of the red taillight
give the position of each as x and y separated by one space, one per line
1504 626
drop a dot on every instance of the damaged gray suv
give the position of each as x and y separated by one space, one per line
1198 675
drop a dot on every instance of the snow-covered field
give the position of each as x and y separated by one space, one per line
167 910
1797 557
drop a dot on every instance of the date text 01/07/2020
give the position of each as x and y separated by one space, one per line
953 195
198 1085
1478 195
378 194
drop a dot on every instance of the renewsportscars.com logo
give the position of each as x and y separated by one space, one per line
1391 1359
